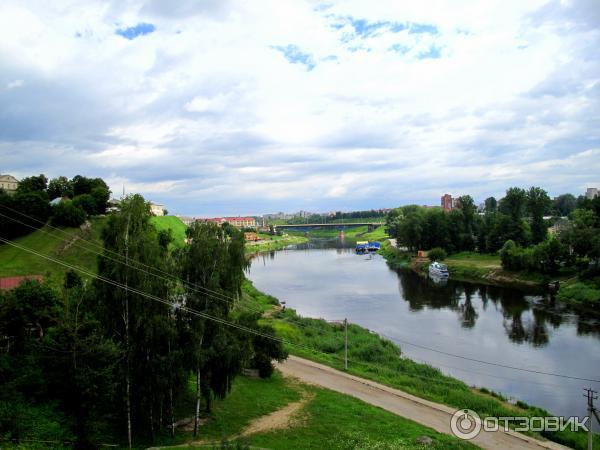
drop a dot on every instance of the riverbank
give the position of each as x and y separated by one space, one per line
472 267
268 243
379 359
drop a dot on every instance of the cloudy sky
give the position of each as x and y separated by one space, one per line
237 107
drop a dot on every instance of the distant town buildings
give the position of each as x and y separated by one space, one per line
448 203
9 183
157 209
238 222
591 193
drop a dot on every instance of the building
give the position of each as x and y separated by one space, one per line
157 209
591 193
187 220
446 202
8 283
9 183
238 222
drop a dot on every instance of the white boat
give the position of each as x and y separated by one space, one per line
438 270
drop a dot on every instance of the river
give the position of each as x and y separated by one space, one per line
326 279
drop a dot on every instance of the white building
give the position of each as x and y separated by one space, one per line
9 183
591 193
157 209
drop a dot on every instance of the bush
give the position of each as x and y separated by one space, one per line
86 202
67 214
437 254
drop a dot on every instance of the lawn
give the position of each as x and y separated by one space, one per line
174 224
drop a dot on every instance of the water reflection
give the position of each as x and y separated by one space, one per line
324 278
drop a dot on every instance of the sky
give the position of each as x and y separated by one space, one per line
223 107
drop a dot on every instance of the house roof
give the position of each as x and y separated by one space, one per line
8 283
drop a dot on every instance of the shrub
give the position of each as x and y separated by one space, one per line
67 214
437 254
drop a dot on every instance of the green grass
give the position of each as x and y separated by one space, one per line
277 243
581 292
328 420
378 234
174 224
378 359
395 258
336 421
53 243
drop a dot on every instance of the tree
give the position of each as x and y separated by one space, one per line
67 214
60 187
140 327
86 202
437 254
513 203
214 262
565 204
537 202
491 205
33 184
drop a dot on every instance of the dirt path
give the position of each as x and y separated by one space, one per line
277 420
433 415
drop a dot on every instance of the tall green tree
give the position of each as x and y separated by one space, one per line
213 264
60 187
537 203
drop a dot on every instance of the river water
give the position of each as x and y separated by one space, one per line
326 279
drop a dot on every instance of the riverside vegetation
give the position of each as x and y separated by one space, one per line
510 243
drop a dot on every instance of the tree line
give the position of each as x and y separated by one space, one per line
93 361
513 226
81 197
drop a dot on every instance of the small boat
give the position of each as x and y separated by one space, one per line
438 270
361 247
373 246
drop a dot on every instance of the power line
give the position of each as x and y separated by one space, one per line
167 277
223 297
216 319
539 372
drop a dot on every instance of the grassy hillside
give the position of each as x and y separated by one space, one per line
174 224
63 243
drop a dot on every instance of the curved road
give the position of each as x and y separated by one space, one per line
430 414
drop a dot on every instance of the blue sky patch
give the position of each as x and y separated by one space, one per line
139 30
399 48
295 56
416 28
433 52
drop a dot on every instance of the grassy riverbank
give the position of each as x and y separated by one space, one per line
274 243
373 357
472 267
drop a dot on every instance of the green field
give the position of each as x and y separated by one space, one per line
326 420
174 224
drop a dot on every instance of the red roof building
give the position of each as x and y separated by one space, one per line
8 283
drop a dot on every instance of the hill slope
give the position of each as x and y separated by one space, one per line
65 244
174 224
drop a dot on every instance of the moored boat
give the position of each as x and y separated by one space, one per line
438 270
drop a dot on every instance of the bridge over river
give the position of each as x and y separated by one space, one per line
371 225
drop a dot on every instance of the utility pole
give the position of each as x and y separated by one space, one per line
590 394
346 345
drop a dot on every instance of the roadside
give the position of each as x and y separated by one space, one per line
430 414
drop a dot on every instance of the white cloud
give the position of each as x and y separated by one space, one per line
15 84
208 110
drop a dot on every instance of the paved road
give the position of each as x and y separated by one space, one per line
422 411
